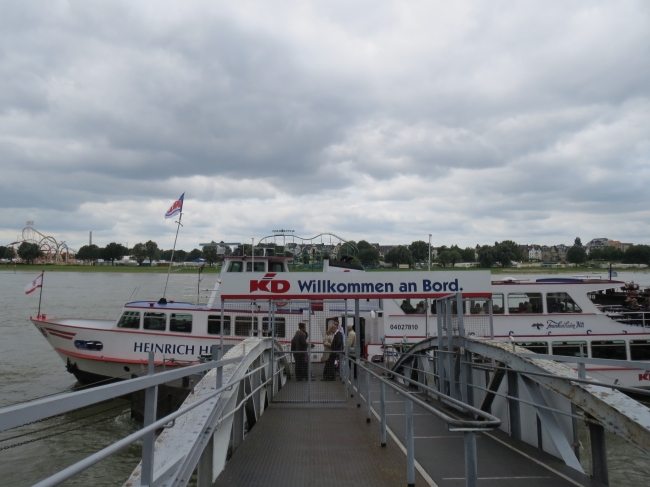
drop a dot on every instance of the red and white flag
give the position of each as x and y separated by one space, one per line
34 285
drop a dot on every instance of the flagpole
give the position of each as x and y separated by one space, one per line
163 300
41 295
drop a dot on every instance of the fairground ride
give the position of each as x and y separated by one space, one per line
53 251
310 250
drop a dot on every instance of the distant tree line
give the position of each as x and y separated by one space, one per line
143 251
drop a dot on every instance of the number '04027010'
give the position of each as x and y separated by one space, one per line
403 327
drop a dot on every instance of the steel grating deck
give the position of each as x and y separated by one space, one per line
316 445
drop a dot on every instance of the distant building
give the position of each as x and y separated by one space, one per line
384 249
596 244
619 245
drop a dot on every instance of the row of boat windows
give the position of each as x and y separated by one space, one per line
183 323
238 266
608 349
517 303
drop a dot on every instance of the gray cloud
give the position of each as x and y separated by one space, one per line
391 121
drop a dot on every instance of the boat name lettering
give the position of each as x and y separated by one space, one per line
564 324
169 348
326 286
645 376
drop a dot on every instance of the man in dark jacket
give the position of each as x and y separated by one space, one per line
299 349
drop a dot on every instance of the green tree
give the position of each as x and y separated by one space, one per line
636 254
193 255
576 254
113 251
29 252
348 248
368 256
210 254
469 255
363 245
139 252
9 253
507 251
486 256
419 250
152 251
3 251
89 253
450 256
399 255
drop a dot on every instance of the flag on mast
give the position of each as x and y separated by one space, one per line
176 207
34 285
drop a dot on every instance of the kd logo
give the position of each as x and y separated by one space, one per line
276 287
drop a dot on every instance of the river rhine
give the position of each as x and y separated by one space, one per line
30 369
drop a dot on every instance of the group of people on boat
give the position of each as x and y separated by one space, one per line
408 308
334 343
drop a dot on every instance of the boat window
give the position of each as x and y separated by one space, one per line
155 321
280 327
259 266
214 325
478 307
561 303
497 304
614 350
276 267
570 349
235 266
243 325
129 319
524 303
180 323
640 349
535 347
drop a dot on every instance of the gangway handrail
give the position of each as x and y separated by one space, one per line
88 462
459 424
20 414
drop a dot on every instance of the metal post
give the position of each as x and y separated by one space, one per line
382 389
598 453
450 348
471 467
513 405
272 330
214 350
426 317
309 356
148 441
441 340
222 327
490 310
460 305
410 445
582 370
357 348
367 396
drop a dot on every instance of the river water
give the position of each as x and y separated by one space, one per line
30 369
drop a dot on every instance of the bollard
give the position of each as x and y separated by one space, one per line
410 445
367 396
148 441
383 413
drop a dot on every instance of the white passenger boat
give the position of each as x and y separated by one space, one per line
554 316
557 316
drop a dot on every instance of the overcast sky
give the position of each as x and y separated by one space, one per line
382 120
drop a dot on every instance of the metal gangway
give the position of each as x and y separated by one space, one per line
454 408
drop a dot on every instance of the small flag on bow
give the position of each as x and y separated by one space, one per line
34 285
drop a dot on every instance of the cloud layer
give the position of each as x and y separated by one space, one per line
387 121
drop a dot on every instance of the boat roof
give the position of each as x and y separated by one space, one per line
180 305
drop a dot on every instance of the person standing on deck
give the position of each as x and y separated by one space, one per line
352 340
299 349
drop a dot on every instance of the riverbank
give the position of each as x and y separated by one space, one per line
215 270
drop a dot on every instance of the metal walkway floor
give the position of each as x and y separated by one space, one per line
315 445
